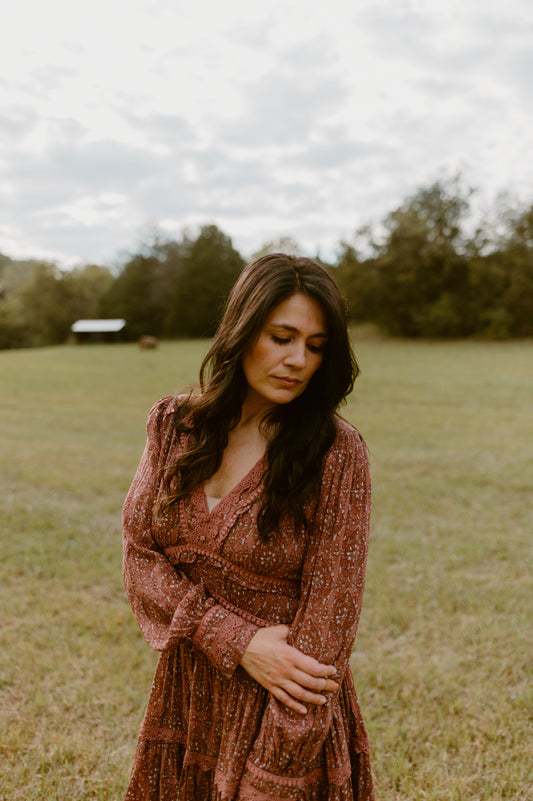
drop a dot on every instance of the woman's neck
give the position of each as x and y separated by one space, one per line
254 410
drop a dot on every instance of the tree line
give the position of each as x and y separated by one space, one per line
425 271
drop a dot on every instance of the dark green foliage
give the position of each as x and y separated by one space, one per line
39 302
134 297
48 305
210 269
425 278
13 332
422 277
517 254
142 292
359 281
423 272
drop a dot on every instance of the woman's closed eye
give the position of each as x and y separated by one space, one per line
316 348
287 340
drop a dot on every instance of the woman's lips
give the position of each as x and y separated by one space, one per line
287 382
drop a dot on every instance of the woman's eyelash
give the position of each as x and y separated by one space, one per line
286 340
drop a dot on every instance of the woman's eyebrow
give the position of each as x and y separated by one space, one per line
294 330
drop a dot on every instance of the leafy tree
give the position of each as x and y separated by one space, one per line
39 302
13 331
48 305
422 266
87 286
143 291
517 254
501 275
210 269
359 281
13 276
421 277
132 297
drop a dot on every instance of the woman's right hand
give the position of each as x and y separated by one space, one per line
287 673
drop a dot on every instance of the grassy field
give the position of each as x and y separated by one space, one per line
442 656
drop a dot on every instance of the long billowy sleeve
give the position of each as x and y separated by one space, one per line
281 762
168 606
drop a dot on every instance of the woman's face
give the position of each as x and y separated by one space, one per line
287 352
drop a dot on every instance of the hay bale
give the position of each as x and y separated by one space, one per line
148 342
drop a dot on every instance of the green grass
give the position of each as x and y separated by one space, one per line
442 656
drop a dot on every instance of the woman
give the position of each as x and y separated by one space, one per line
245 542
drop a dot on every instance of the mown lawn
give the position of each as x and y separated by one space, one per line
442 656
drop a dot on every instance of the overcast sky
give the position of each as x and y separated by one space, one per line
269 119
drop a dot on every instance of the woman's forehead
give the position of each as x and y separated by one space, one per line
299 312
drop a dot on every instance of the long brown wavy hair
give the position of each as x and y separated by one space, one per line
299 432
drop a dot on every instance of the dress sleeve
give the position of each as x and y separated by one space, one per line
325 624
168 606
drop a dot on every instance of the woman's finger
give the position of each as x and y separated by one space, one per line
288 700
301 694
308 664
320 684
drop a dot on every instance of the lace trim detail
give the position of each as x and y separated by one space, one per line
231 641
337 776
249 793
223 637
256 621
233 505
188 554
226 786
318 775
149 731
248 492
158 734
202 761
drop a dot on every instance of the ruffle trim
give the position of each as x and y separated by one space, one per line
335 776
188 554
249 793
158 734
272 783
256 621
224 638
241 498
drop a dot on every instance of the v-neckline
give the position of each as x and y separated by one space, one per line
237 488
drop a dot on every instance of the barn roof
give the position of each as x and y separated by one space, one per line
97 326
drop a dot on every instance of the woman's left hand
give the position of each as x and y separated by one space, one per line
291 676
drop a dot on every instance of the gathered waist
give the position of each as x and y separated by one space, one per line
263 600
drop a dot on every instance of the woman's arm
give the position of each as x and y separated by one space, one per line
326 622
168 606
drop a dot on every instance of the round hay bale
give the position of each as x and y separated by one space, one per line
148 342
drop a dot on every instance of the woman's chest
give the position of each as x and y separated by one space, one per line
230 532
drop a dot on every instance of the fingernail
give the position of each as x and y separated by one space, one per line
302 710
321 700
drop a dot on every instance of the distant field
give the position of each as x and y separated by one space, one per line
442 656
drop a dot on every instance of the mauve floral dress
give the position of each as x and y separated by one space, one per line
200 585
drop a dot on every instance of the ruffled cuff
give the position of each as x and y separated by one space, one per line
223 637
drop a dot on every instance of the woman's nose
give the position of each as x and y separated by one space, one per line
296 356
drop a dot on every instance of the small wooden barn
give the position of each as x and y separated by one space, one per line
98 330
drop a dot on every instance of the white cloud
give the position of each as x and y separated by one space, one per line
287 119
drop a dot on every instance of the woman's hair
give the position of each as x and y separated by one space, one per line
302 430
